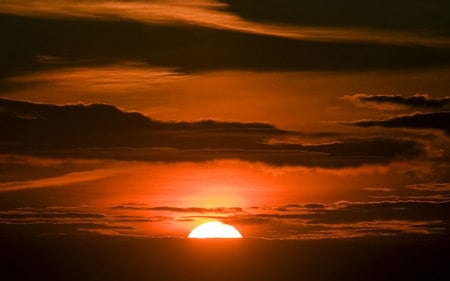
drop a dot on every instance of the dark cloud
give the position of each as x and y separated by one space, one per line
369 147
357 212
420 100
390 210
293 207
104 131
314 206
435 120
223 210
401 14
139 219
313 220
351 219
430 187
105 125
36 229
48 215
57 221
190 48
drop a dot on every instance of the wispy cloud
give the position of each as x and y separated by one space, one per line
18 159
415 101
95 81
67 179
433 187
221 210
207 13
378 189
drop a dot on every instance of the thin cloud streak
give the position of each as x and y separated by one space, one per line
207 13
433 187
68 179
223 210
125 76
415 101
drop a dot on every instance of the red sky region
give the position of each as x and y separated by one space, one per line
147 118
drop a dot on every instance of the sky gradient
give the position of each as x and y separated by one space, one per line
287 119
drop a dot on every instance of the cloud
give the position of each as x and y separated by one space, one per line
223 210
60 38
39 229
350 212
298 221
343 219
435 120
125 76
106 117
416 101
401 14
56 220
33 215
390 210
210 14
378 189
433 187
139 219
103 131
27 160
64 180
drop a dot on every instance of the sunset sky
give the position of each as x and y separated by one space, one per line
288 119
320 130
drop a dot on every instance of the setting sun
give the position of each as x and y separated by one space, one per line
214 229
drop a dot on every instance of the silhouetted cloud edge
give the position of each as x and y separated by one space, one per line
433 120
106 132
415 101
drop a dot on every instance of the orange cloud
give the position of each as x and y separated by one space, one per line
67 179
97 84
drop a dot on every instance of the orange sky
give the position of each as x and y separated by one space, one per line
145 118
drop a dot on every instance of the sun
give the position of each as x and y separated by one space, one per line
214 229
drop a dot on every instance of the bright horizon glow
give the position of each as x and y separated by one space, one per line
214 229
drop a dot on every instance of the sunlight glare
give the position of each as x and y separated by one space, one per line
214 229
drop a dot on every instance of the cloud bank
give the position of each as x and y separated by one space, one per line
104 131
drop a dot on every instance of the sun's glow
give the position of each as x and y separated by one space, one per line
214 229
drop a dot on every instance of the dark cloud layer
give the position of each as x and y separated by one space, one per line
435 120
48 215
402 14
190 48
395 210
421 101
361 218
104 131
99 125
310 220
57 221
